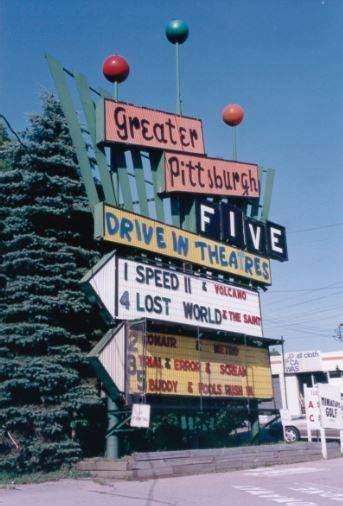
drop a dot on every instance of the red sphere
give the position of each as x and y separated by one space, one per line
233 114
115 68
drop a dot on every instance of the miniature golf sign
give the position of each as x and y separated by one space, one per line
135 231
131 290
121 123
330 405
210 176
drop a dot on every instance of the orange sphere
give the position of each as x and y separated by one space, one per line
233 114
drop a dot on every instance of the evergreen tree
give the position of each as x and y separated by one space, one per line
48 395
4 137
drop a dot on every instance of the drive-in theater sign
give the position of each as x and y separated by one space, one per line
190 245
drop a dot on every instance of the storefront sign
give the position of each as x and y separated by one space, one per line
121 123
129 229
210 176
303 361
170 364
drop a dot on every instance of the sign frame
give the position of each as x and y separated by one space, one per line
207 191
238 255
102 138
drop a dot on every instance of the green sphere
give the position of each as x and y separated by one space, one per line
177 31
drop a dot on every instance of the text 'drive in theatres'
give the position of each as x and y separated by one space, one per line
130 229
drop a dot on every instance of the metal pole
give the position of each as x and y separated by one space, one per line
283 370
234 144
323 442
247 383
200 374
116 90
178 97
112 442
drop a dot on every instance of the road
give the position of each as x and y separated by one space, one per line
307 484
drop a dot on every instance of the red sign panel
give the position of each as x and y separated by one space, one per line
210 176
138 126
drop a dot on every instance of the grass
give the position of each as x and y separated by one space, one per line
11 480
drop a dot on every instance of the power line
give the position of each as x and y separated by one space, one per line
327 287
339 224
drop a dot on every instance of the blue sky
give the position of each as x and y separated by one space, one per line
280 59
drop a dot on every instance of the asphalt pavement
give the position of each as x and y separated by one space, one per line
307 484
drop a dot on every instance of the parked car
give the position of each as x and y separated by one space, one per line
296 429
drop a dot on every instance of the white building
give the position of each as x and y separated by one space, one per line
303 368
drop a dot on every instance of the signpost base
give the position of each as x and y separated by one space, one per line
323 441
112 441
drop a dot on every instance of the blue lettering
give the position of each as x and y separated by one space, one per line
257 267
248 265
112 223
213 254
138 230
147 233
233 260
222 251
126 227
202 245
240 259
180 244
160 238
265 270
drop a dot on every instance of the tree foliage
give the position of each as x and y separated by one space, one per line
48 395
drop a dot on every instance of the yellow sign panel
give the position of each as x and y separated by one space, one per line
167 364
131 229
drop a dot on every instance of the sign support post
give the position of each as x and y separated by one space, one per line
341 439
112 441
323 441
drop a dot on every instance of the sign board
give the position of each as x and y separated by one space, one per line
210 176
108 358
170 364
140 416
303 361
131 290
330 405
227 223
121 123
135 231
312 408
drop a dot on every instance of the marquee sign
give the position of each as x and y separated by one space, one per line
132 230
131 290
227 223
210 176
169 364
121 123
